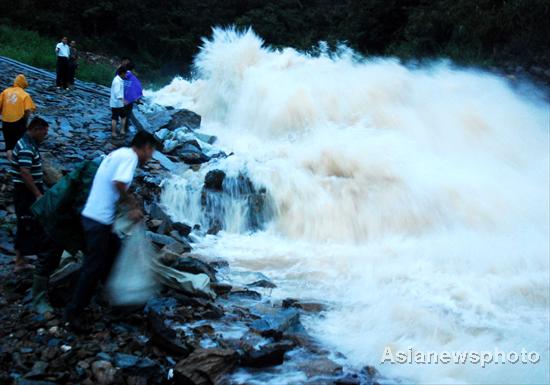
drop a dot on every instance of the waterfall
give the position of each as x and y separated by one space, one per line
413 200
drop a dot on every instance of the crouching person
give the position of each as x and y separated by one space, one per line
109 189
27 175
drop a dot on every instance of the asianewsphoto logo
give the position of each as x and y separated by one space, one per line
483 358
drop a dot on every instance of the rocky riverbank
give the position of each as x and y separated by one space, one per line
242 336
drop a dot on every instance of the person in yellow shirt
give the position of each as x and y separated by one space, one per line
15 108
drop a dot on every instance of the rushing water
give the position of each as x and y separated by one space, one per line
414 201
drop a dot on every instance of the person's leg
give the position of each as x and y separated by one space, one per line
113 128
129 114
65 73
114 246
24 238
71 73
59 73
48 257
123 126
93 268
7 141
114 118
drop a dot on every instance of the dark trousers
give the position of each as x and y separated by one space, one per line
102 247
13 131
30 237
62 72
129 114
71 72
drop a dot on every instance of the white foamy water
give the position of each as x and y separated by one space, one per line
416 202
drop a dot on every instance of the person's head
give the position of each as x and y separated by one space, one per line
21 81
124 61
121 71
38 129
64 40
144 144
130 66
73 43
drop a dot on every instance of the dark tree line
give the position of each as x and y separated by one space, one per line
166 33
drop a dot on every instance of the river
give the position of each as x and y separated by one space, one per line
412 200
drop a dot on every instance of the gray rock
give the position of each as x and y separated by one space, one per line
267 355
275 323
205 366
195 266
185 118
160 239
214 180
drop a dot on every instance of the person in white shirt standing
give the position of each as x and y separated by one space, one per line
63 51
109 190
117 102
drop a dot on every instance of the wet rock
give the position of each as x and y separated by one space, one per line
205 366
214 180
184 118
349 379
266 355
215 227
168 257
191 153
103 372
182 229
38 370
275 323
178 248
156 211
310 307
34 382
134 365
161 305
221 288
321 367
52 170
160 239
193 265
262 283
247 294
166 338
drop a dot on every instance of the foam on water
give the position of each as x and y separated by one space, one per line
416 201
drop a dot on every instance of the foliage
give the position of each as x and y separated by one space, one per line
163 35
31 48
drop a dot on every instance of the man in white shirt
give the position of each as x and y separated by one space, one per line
62 51
109 189
117 102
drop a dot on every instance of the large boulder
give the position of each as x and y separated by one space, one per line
276 322
214 180
184 118
191 153
172 119
167 338
205 367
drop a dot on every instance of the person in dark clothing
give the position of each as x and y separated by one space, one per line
62 51
27 175
133 92
73 63
109 190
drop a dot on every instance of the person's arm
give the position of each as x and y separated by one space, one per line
29 181
29 106
57 49
128 200
121 93
121 179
